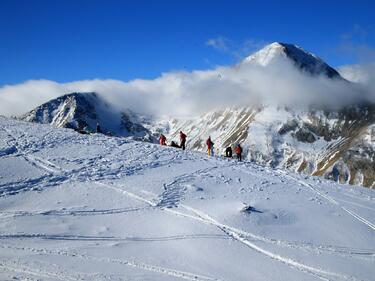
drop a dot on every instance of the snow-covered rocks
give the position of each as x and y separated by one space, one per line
85 111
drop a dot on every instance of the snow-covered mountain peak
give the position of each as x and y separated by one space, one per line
85 111
267 54
304 60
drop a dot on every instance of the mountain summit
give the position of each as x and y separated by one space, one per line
304 60
83 111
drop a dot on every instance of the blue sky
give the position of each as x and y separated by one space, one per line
74 40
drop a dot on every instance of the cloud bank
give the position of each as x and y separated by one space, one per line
189 94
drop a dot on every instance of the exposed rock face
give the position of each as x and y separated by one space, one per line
314 142
84 111
304 135
226 127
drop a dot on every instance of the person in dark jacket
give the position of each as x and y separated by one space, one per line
182 140
228 152
98 130
174 144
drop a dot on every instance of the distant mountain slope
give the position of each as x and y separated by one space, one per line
83 111
336 144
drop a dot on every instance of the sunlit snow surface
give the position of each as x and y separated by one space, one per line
91 207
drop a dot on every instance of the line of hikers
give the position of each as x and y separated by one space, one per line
209 144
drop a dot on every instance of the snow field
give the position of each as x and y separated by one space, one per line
91 207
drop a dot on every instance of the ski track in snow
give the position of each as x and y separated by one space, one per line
153 203
331 200
24 269
237 234
65 212
24 236
174 191
240 235
43 164
36 161
132 263
172 202
355 204
326 197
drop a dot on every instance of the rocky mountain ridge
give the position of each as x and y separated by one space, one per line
84 111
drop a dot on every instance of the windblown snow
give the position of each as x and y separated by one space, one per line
93 207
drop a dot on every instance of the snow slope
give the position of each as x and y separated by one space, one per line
93 207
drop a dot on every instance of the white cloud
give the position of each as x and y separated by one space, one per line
220 43
17 99
364 76
191 93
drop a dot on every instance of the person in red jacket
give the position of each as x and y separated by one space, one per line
163 140
210 146
182 140
238 151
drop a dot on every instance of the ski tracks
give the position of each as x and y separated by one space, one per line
331 200
36 161
175 190
64 212
240 236
25 269
131 263
43 164
110 238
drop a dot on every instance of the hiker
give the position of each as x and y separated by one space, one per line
163 140
182 140
238 151
210 146
335 173
174 144
98 130
228 152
